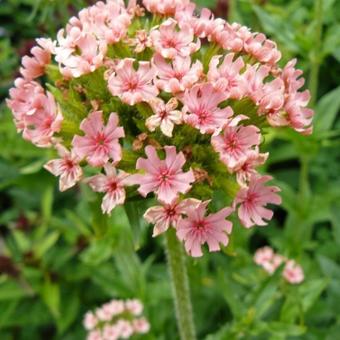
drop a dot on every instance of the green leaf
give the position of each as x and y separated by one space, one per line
326 110
46 243
51 295
98 252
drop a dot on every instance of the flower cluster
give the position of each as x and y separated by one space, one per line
167 101
115 320
270 261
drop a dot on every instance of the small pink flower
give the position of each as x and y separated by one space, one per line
134 306
263 255
164 7
117 307
104 313
100 142
169 42
112 184
141 41
247 168
95 335
164 216
133 86
201 102
293 273
79 52
178 75
67 167
198 229
90 321
111 332
235 143
141 326
34 67
165 116
163 177
253 200
125 328
226 77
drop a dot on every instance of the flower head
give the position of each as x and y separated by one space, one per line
253 199
293 273
163 177
100 143
198 229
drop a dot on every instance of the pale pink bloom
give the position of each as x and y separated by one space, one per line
34 66
90 321
293 273
134 306
104 313
204 25
227 36
95 335
247 168
35 112
165 116
111 332
117 307
292 77
201 103
185 14
262 49
125 328
198 229
163 177
164 216
100 143
263 255
164 7
133 86
141 325
252 201
112 184
170 43
178 75
226 77
141 41
67 168
235 143
79 52
271 97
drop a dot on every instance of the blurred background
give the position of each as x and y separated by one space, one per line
59 257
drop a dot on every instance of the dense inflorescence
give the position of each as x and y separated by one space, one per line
116 319
163 101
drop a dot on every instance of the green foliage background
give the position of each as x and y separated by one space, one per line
60 257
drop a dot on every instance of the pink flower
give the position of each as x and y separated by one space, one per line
95 335
141 325
226 77
247 168
125 328
134 306
112 184
104 313
79 52
164 7
133 86
271 97
165 116
267 259
67 167
253 200
178 75
141 41
100 142
111 332
90 321
235 143
117 307
169 42
34 67
293 273
163 177
164 216
198 229
35 112
201 102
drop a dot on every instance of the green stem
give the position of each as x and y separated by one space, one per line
316 53
180 286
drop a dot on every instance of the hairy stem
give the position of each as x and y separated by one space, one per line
180 286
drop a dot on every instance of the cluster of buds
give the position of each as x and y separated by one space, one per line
191 92
271 261
115 320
